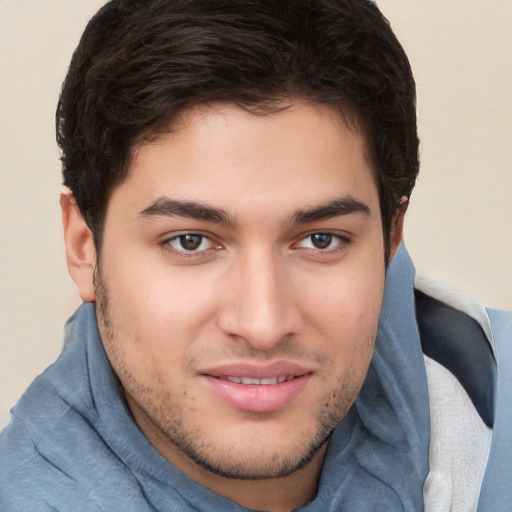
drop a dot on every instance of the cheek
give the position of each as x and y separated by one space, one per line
159 293
345 316
345 301
159 315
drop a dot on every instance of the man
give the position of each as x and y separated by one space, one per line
250 338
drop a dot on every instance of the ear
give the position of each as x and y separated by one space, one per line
397 228
80 250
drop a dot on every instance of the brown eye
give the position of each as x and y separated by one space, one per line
190 242
321 240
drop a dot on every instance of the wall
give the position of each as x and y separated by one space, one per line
458 226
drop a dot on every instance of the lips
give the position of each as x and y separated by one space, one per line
257 388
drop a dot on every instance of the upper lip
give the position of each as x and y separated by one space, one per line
257 371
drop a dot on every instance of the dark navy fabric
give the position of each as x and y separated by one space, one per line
458 342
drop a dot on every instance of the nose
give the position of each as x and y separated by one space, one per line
260 305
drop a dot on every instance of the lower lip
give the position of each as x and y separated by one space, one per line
256 397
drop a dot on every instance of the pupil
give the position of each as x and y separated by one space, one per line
190 242
321 241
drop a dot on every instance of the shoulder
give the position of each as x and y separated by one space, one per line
30 479
52 455
468 354
496 492
36 472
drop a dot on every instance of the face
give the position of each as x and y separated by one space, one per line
240 284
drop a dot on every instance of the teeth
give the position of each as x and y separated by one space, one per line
248 380
253 382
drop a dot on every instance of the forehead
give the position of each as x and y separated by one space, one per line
223 155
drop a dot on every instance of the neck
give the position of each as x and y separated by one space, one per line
274 495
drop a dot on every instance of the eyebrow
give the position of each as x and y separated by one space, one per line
346 205
167 207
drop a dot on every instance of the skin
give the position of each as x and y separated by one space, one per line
285 266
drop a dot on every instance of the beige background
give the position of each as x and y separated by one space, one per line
458 227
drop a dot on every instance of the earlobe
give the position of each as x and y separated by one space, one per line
80 249
397 228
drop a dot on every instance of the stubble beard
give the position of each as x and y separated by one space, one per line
166 414
276 465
